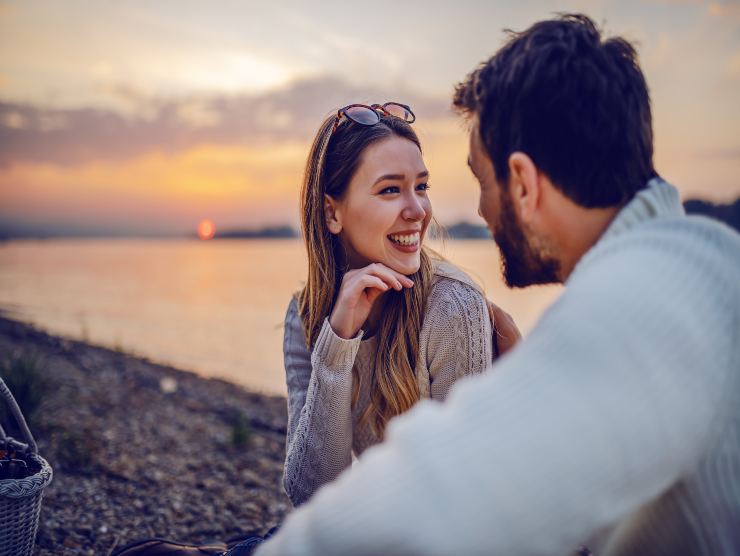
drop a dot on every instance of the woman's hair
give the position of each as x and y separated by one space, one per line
333 160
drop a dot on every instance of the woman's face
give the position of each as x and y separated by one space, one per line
385 211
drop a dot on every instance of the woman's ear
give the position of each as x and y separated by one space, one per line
525 186
331 214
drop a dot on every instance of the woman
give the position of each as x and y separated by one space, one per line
380 323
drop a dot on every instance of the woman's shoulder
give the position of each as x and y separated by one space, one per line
292 309
456 321
293 314
454 294
447 276
294 337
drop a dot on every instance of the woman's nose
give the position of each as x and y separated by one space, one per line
413 210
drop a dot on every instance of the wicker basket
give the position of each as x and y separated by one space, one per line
20 499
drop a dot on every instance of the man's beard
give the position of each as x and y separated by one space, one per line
522 264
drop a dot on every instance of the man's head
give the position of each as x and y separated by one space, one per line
561 122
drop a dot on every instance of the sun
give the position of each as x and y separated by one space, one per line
206 229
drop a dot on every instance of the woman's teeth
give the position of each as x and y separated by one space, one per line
405 239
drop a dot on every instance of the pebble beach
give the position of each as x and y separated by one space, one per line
141 449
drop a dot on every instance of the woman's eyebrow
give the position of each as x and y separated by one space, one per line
400 177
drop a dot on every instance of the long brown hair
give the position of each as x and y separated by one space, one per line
332 161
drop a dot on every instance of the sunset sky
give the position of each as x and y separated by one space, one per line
148 117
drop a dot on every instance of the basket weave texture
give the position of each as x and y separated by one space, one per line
20 499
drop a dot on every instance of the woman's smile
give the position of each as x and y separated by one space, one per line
406 242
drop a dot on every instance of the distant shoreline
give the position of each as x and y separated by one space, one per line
729 213
460 230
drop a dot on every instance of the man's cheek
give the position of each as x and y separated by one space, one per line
484 208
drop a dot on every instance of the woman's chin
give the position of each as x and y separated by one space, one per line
407 268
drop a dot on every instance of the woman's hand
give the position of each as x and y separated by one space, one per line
505 333
359 290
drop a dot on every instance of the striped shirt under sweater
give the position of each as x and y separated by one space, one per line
616 422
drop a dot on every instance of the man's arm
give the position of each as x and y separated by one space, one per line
599 411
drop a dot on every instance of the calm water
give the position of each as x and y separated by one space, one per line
212 307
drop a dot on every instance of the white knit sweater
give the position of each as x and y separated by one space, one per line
615 423
323 428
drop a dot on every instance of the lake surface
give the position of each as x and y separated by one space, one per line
213 307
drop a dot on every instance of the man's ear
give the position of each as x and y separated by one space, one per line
331 213
524 185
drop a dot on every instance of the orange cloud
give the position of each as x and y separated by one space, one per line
230 181
724 9
244 186
235 185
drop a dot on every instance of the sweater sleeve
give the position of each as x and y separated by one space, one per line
603 407
457 335
319 439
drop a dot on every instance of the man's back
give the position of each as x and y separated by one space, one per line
694 276
619 414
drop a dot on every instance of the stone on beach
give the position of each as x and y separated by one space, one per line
142 450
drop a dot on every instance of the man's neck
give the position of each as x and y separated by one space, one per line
578 231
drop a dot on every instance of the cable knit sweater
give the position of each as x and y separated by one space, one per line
323 428
616 422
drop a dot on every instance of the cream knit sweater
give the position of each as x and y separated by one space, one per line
323 428
616 422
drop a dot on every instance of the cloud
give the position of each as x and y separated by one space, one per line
725 9
726 154
733 66
31 133
729 9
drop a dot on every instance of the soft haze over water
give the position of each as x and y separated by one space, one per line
213 307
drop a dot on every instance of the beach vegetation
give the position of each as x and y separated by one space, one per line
241 430
76 452
25 375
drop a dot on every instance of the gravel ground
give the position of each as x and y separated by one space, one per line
142 450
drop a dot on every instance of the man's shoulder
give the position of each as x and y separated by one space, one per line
694 232
711 230
697 224
698 242
674 267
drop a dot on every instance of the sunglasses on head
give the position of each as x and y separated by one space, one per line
370 115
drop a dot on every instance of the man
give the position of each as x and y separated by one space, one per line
616 422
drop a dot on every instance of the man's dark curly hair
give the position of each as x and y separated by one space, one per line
576 105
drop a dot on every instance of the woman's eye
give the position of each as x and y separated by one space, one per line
423 187
390 189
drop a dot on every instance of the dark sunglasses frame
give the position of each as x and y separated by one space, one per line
374 108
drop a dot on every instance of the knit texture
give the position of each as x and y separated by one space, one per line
323 428
615 423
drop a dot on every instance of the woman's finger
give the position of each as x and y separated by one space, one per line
372 294
390 276
370 281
